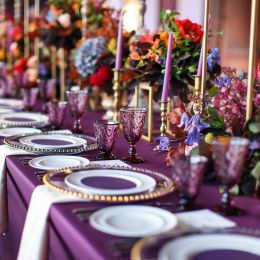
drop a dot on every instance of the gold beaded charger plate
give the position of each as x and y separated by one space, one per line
56 144
124 187
186 243
23 119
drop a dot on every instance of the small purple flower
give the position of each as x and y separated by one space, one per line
164 143
197 122
213 58
255 144
223 81
193 136
184 121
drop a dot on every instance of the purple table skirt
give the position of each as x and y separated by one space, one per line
71 239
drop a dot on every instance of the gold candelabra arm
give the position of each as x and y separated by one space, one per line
163 128
116 89
198 100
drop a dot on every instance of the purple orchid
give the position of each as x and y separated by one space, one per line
193 136
185 119
164 143
196 121
213 58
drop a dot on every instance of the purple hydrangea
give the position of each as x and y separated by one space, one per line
223 81
213 58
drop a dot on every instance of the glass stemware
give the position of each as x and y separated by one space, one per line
106 132
132 120
46 91
56 112
187 173
29 97
77 101
229 156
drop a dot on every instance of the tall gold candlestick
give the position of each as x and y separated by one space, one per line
17 10
205 48
37 39
116 89
62 74
26 29
198 102
53 55
252 57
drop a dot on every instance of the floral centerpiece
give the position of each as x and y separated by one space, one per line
61 26
148 55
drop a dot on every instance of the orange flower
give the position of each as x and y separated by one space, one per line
134 56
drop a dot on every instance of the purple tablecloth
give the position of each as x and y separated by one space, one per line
71 239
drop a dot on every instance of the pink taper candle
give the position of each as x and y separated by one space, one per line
199 72
167 74
119 44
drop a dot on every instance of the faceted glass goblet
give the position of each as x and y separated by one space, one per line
46 91
106 132
187 173
132 120
56 112
77 101
29 97
229 154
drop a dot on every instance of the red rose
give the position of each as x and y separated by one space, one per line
189 30
101 77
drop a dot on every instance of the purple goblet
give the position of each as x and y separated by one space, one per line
229 154
56 112
187 173
29 97
46 91
77 101
105 132
133 119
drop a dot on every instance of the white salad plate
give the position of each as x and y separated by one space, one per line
132 220
23 119
110 182
11 103
18 130
54 162
187 247
53 141
5 110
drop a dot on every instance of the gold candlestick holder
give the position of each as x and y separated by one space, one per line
198 101
116 89
163 127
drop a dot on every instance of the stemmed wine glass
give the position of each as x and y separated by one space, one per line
187 173
29 97
46 91
132 120
105 132
229 154
56 112
77 101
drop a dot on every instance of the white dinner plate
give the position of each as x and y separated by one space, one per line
54 162
110 182
5 110
11 103
23 119
18 130
132 220
53 141
184 248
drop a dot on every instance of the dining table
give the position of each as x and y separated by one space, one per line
72 238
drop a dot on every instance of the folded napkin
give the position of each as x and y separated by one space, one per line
4 152
34 241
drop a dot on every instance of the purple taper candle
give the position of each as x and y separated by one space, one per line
119 44
167 74
199 72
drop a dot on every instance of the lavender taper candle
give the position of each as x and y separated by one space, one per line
167 74
119 44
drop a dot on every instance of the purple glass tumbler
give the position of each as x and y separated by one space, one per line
105 132
29 97
187 173
229 155
56 112
46 91
77 101
132 120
